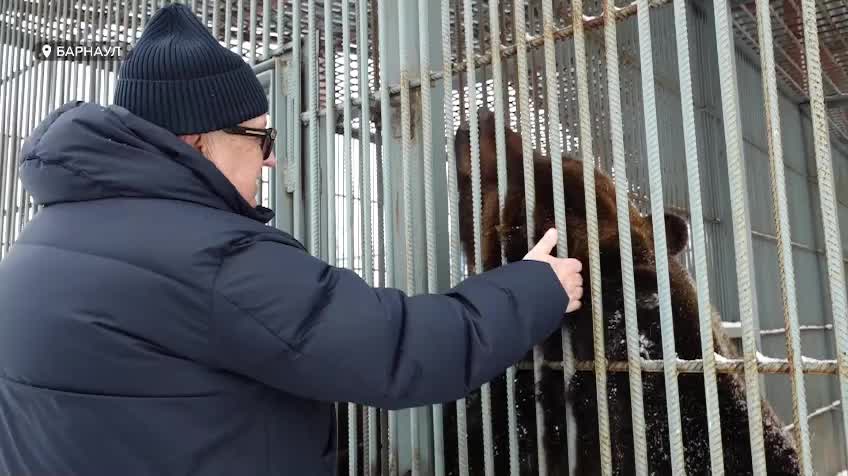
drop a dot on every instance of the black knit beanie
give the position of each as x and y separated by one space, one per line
179 77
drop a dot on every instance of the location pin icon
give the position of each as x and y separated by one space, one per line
45 49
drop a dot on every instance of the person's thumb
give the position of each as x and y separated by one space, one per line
547 243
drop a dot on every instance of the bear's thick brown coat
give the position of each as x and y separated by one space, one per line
781 456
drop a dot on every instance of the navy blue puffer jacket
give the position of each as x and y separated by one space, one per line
151 323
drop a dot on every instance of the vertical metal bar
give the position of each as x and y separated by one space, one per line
13 111
312 43
554 148
370 414
266 28
41 31
94 63
388 201
623 213
348 201
784 236
529 192
406 129
698 238
386 130
214 19
655 180
20 65
7 12
30 73
51 16
500 146
406 160
741 226
106 37
97 62
295 158
453 204
347 146
113 18
72 65
554 139
476 194
280 23
78 72
586 150
365 142
8 149
461 408
314 173
273 182
41 71
830 216
429 205
90 63
134 22
457 26
65 67
54 20
127 39
29 94
330 128
228 22
239 30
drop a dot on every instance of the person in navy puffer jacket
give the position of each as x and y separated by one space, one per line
151 323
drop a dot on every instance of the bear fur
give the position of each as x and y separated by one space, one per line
510 229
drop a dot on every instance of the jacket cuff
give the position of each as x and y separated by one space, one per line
536 286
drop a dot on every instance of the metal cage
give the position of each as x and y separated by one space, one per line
730 113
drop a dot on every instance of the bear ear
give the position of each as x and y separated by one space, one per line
676 232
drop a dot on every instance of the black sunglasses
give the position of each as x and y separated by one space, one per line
268 136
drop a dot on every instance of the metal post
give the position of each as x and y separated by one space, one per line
239 27
369 414
5 61
23 117
828 202
640 450
587 156
741 227
698 239
389 72
295 91
228 23
500 146
266 29
252 59
784 236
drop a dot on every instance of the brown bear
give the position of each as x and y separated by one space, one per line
781 455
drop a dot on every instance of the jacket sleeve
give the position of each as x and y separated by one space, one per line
291 321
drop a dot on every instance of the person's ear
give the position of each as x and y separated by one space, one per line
194 140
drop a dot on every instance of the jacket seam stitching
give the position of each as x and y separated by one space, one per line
213 331
249 314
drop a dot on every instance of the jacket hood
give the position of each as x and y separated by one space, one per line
83 151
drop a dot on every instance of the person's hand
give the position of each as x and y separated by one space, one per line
566 269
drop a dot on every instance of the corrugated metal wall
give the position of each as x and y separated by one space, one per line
394 212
